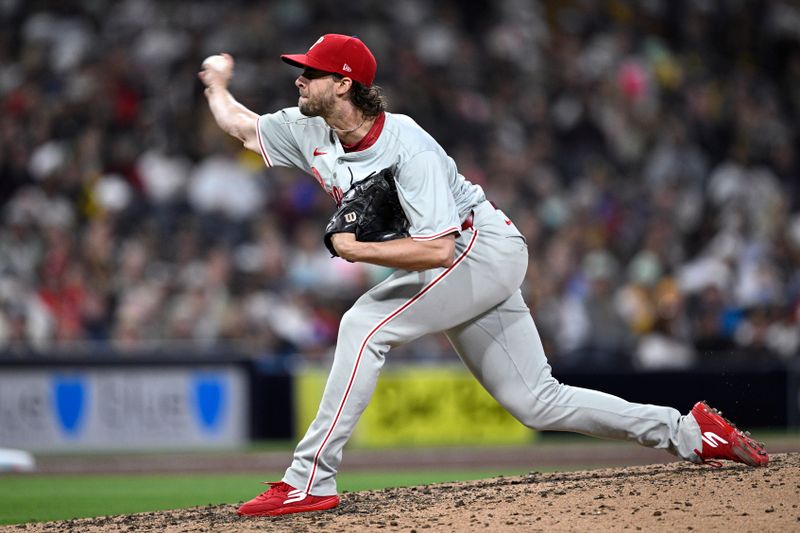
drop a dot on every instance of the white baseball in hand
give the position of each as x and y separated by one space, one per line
216 62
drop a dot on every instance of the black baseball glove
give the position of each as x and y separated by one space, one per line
371 210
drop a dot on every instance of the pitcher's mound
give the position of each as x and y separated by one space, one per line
672 497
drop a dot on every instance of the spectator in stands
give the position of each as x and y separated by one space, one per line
662 133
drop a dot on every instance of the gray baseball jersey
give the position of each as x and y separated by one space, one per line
476 302
435 197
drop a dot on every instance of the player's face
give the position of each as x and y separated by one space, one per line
316 93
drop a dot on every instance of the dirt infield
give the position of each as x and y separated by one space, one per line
661 497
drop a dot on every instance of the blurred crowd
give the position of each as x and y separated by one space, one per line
647 150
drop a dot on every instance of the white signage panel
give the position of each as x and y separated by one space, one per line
123 408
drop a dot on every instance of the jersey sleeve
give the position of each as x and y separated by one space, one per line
278 139
424 191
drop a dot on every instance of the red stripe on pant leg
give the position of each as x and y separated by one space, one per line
364 344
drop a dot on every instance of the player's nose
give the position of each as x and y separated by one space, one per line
300 82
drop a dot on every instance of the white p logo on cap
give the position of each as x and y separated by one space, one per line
316 43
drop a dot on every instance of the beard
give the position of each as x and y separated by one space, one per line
321 106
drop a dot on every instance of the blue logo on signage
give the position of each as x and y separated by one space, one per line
69 394
209 394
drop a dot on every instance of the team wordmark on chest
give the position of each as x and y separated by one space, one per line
334 190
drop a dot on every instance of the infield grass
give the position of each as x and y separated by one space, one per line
39 498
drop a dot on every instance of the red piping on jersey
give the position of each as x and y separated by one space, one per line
435 236
261 143
385 321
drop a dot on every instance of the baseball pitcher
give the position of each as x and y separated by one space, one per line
458 264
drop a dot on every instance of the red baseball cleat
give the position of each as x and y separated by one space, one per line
721 440
282 498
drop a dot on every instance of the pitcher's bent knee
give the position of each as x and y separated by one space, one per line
360 322
357 332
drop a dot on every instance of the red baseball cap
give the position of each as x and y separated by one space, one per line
341 54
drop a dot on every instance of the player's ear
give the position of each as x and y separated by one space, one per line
342 85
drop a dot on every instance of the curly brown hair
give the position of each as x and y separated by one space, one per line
370 100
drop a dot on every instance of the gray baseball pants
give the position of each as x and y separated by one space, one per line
477 303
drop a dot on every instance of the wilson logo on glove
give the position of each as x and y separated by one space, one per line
370 210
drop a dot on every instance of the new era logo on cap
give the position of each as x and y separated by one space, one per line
341 54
